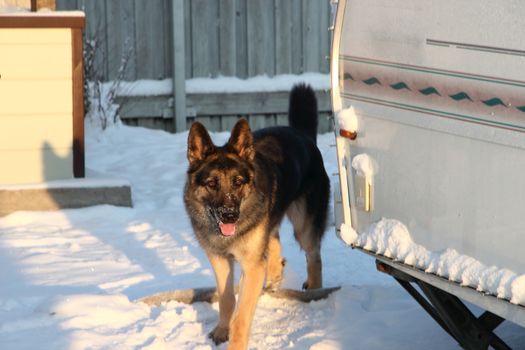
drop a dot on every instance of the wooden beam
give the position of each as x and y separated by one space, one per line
43 4
245 103
42 20
209 295
78 104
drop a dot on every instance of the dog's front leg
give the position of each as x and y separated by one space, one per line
223 268
253 272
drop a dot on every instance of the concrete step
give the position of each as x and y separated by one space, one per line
63 194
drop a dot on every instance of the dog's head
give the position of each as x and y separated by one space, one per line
219 178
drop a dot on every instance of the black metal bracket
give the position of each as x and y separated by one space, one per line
471 332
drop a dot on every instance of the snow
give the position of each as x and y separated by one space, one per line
392 239
68 279
221 84
364 165
348 234
347 119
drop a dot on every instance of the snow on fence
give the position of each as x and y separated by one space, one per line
219 102
188 39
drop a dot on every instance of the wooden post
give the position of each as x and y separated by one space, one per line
38 4
179 67
78 103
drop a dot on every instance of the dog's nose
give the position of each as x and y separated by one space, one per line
229 214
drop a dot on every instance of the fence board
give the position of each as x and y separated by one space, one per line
179 67
221 111
261 52
325 39
227 58
212 124
325 123
143 106
67 4
311 35
168 39
205 38
297 37
239 103
217 104
188 43
283 37
96 31
149 27
257 121
241 39
228 121
120 37
270 120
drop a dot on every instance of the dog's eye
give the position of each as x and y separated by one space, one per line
238 181
211 184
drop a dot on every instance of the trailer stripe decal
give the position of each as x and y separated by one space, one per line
399 86
429 91
435 112
433 71
460 96
492 102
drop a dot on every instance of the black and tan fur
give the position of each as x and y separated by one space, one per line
250 184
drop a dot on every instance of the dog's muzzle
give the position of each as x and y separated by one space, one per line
226 219
228 215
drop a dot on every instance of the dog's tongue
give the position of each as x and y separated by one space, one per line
227 229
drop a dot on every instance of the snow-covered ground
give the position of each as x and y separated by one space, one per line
68 279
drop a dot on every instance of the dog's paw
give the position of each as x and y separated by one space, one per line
275 276
219 335
273 284
271 287
308 284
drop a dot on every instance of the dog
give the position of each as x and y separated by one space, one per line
236 196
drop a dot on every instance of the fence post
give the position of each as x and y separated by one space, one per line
179 67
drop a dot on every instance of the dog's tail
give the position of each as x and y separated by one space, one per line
302 112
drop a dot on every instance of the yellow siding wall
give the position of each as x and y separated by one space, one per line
26 166
36 130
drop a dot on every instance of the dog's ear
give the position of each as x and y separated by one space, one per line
241 140
199 143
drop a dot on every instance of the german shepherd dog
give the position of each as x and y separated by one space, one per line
236 196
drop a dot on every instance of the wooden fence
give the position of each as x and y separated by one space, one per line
185 39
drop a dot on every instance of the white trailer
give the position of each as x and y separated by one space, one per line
432 95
